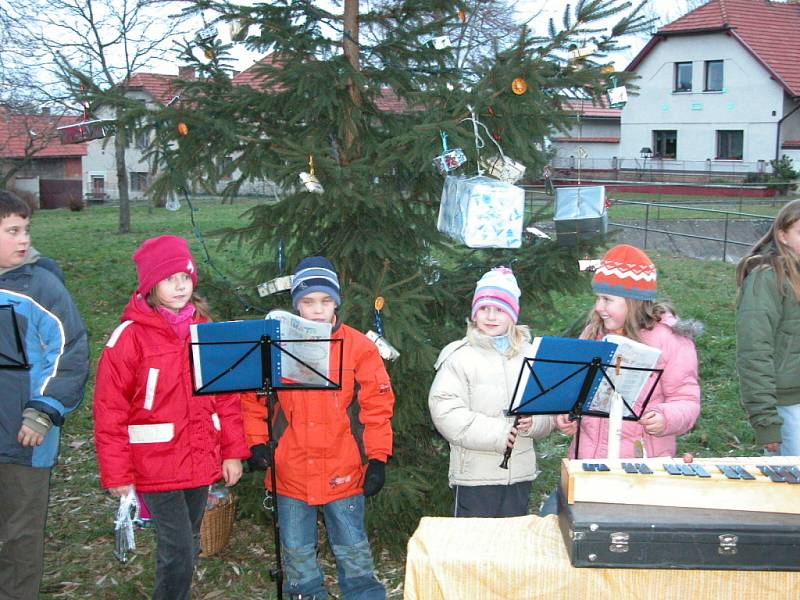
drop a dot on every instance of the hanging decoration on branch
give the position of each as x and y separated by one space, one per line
579 52
385 349
500 166
519 86
310 180
206 35
448 160
183 129
85 130
617 94
482 212
462 15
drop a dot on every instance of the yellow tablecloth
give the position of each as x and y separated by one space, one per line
525 557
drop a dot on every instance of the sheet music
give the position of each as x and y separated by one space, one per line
316 355
628 383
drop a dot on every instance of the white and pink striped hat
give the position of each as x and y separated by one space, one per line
497 288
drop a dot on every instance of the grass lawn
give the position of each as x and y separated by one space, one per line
101 276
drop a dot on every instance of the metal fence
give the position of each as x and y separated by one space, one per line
652 168
696 231
725 233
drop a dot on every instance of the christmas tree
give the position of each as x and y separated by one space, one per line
359 102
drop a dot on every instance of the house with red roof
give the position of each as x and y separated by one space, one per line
100 170
33 159
719 88
592 140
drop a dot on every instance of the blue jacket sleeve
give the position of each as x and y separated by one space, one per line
59 377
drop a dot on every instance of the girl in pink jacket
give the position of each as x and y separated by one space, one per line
152 433
625 285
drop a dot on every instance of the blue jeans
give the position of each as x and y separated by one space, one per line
344 521
178 516
790 431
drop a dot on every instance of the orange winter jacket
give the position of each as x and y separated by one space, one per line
329 435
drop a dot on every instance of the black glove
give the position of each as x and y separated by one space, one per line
374 478
259 458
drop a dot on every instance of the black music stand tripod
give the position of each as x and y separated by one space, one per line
269 353
571 391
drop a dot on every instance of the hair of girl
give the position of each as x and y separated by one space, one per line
200 303
517 336
769 252
642 314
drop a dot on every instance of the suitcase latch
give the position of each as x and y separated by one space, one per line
727 544
619 542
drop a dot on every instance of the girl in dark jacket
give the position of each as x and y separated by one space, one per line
768 334
151 432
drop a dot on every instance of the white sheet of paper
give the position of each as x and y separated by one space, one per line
316 354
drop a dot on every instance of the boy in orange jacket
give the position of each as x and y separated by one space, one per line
320 458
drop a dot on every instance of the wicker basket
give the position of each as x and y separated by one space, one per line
215 531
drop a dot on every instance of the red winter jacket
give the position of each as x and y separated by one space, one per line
150 429
318 457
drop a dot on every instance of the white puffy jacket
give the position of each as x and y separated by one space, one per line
472 389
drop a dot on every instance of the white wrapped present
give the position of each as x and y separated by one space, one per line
481 212
580 213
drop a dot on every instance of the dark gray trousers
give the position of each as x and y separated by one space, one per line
24 493
492 500
177 516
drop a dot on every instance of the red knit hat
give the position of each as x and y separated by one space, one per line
626 271
161 257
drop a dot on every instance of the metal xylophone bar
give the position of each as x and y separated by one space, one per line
776 473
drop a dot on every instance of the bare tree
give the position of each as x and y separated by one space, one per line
94 47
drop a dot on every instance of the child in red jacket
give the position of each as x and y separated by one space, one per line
320 456
152 433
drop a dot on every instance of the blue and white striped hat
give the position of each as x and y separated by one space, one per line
315 274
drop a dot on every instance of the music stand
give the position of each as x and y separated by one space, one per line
12 354
563 378
240 356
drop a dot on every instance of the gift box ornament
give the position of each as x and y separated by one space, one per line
580 213
450 159
481 212
503 168
617 96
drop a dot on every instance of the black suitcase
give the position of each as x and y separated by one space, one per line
658 537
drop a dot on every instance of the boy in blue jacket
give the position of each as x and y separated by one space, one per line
44 363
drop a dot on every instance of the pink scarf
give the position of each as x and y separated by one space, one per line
179 321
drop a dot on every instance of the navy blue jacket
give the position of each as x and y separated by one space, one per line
39 325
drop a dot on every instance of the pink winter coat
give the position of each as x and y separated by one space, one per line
677 397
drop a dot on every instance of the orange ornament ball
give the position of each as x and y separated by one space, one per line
183 129
379 302
519 86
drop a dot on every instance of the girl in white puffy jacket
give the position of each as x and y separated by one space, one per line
473 387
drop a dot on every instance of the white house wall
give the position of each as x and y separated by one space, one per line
599 154
750 101
100 160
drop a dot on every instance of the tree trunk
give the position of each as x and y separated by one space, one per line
351 52
120 144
